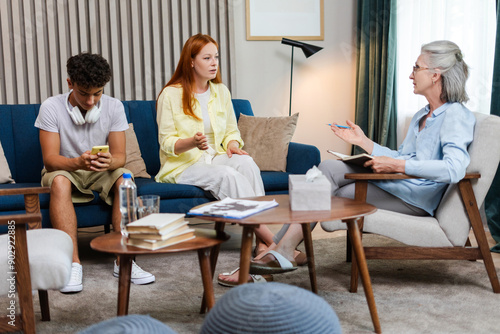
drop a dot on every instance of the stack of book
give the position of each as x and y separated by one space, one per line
159 230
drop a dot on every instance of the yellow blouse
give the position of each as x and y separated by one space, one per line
173 125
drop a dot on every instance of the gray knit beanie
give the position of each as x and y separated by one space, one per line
129 324
270 308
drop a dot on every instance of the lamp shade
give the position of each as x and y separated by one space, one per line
308 49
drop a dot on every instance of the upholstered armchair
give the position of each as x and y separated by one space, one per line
444 236
37 259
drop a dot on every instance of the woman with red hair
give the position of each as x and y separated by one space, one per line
200 143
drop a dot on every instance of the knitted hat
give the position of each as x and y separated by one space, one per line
129 324
271 308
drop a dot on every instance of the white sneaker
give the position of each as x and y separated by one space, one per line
75 281
138 275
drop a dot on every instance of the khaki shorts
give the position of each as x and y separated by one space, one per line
84 182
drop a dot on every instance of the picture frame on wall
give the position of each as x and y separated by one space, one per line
294 19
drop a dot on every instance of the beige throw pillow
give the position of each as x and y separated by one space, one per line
5 175
266 139
134 161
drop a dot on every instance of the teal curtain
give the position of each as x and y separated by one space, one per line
492 201
376 71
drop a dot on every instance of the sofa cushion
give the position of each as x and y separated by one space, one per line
168 190
411 230
50 253
274 181
5 175
134 161
267 138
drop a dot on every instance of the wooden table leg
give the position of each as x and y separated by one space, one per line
359 253
246 253
214 254
124 284
348 249
206 277
354 265
306 231
360 192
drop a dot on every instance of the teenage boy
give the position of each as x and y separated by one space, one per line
70 125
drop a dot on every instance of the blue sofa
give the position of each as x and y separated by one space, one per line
21 145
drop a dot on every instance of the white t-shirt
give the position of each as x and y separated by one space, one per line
203 99
76 139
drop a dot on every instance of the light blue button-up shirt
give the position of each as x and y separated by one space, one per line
437 154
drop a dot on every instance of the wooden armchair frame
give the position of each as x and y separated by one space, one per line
467 252
32 218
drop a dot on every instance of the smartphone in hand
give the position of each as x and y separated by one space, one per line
101 149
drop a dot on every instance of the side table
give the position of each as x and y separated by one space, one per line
345 209
204 242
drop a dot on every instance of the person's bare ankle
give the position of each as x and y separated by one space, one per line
261 254
287 253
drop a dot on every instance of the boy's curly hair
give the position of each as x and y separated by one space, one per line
88 70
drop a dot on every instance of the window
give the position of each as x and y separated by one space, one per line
471 24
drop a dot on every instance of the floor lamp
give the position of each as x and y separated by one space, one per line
308 50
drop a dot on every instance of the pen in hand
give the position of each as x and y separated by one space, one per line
340 126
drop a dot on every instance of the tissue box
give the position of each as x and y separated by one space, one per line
309 196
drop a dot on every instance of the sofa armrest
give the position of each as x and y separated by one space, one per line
301 158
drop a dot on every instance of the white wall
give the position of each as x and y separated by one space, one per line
323 85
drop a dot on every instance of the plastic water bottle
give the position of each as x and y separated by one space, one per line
128 202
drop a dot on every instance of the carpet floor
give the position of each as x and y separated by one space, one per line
411 296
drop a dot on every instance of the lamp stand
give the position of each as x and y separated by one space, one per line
291 78
308 50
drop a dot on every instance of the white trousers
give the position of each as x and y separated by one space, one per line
234 177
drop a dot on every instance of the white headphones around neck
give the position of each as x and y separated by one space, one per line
76 115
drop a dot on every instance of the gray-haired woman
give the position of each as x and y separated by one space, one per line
435 147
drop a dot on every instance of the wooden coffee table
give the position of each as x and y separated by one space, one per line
345 209
205 240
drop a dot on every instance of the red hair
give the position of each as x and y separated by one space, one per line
183 74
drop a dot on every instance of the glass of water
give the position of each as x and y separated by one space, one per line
147 204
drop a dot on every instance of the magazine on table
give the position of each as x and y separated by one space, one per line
233 208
